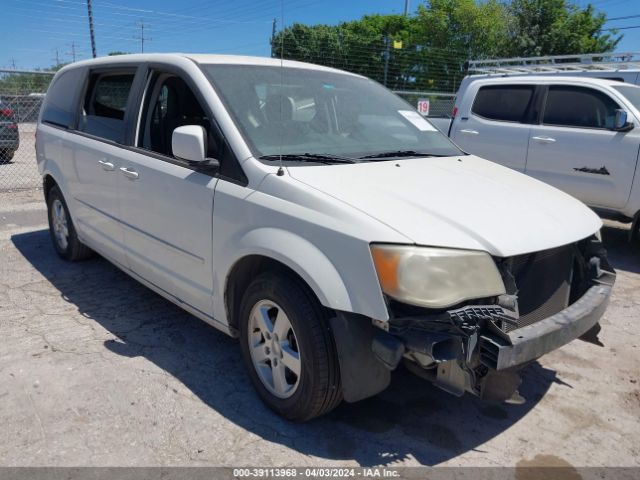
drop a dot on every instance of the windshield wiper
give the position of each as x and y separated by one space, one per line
309 157
402 153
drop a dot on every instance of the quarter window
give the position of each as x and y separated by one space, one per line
105 105
60 104
507 103
571 106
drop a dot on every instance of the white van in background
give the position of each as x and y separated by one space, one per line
579 134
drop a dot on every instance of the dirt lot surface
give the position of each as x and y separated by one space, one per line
97 370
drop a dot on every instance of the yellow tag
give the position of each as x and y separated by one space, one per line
397 44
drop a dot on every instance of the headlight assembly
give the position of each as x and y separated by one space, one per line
435 277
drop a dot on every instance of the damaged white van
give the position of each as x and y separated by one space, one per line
315 216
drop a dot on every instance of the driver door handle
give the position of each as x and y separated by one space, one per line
470 132
129 173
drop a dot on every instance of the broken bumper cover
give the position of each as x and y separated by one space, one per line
531 342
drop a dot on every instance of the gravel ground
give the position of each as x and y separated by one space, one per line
97 370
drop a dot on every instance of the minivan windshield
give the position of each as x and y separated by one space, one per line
632 93
323 116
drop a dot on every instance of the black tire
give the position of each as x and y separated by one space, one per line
6 155
74 249
319 390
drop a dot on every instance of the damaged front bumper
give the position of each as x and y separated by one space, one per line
531 342
480 348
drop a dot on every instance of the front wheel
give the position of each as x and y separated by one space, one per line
288 347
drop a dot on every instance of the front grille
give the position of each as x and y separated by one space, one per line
543 280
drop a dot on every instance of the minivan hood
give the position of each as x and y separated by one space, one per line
458 202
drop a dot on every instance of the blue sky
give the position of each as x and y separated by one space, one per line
34 31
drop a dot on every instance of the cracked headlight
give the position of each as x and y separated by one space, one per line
435 277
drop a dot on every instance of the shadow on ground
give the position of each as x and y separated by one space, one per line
623 254
409 419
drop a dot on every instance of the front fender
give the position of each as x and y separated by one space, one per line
304 258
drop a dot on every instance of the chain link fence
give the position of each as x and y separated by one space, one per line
21 95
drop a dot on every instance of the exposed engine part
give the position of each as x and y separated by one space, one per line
452 378
440 347
448 376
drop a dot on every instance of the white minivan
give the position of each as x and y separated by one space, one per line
578 134
321 220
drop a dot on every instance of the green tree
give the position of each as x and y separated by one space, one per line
557 27
359 46
477 28
442 35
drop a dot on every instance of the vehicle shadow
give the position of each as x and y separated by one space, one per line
411 419
623 255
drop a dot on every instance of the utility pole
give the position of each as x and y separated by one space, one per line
57 58
91 31
386 55
142 38
72 52
273 37
406 7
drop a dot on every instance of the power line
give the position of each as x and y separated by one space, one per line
622 28
623 18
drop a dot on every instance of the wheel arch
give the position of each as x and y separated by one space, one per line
263 249
48 182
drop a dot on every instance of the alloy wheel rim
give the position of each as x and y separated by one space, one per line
59 223
274 349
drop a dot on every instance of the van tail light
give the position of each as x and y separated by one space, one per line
455 112
6 112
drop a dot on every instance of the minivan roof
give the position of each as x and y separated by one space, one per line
204 59
543 79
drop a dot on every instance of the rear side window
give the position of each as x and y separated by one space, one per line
570 106
105 104
507 103
59 107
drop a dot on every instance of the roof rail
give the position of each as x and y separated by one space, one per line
557 63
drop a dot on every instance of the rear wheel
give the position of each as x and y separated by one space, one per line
288 347
63 233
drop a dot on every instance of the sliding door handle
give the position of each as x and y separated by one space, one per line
544 139
470 132
129 173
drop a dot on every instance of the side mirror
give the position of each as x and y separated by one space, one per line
189 143
621 122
